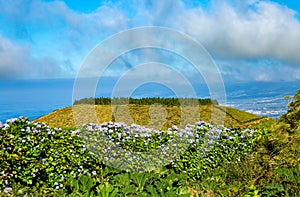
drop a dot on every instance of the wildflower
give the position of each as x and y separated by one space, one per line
12 120
230 138
190 134
174 127
200 123
7 190
76 131
94 172
119 135
6 126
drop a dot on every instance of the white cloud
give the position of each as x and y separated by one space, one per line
264 70
17 61
57 38
237 32
263 30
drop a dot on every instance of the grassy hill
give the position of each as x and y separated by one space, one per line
150 115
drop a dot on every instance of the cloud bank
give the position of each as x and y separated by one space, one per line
259 30
249 40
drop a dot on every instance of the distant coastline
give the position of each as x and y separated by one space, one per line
34 98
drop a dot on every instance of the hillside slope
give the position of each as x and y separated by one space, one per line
150 116
286 134
291 120
276 161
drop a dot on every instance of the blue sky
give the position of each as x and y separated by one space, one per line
250 40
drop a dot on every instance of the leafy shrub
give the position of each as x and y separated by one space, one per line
292 117
147 101
214 147
35 155
193 150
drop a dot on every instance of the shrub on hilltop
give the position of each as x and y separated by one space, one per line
291 120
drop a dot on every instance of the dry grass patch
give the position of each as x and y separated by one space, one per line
154 116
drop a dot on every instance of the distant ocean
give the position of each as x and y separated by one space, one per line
34 98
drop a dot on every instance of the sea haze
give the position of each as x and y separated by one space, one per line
34 98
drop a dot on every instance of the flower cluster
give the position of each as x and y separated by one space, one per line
136 148
214 146
33 153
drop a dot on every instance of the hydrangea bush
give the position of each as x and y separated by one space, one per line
193 149
35 155
134 147
214 147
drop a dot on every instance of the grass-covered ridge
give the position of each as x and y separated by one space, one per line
166 112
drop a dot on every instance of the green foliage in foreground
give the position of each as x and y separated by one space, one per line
35 155
162 183
147 101
233 166
265 163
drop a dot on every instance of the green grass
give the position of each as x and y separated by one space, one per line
240 116
150 116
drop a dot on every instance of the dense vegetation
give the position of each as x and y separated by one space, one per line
214 160
147 101
36 158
